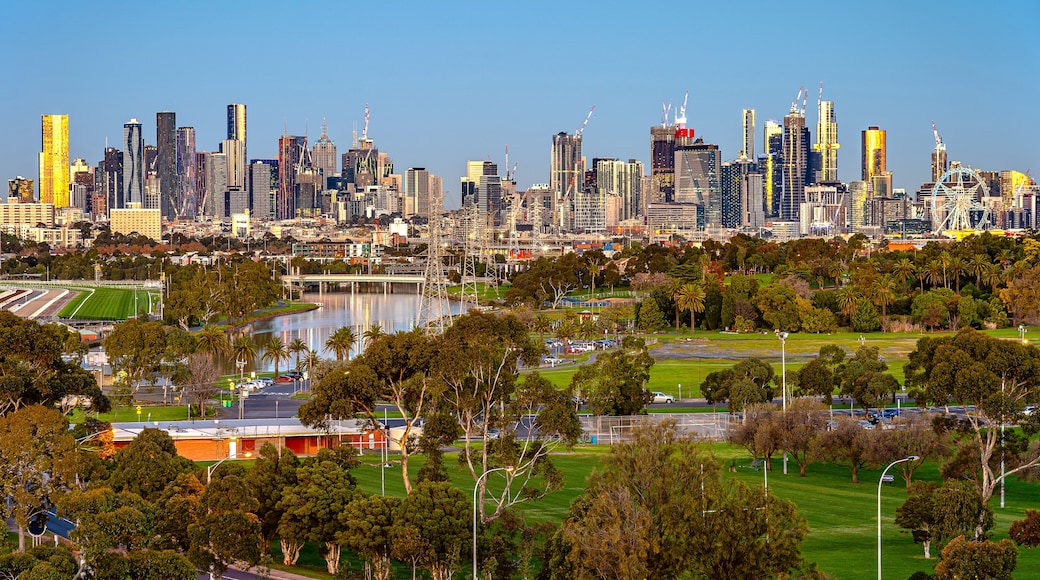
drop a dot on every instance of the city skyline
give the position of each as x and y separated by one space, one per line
457 118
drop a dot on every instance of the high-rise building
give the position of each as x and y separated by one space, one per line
216 204
21 189
795 163
624 179
235 151
111 183
236 122
566 167
263 181
697 179
166 162
187 178
734 182
940 163
323 155
771 166
875 165
133 164
748 121
662 159
201 179
859 198
54 161
417 191
827 143
474 171
751 202
291 153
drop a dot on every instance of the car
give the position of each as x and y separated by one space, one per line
579 400
283 379
493 434
660 397
265 381
889 413
295 375
1029 410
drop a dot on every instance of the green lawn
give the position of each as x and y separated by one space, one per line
108 303
129 414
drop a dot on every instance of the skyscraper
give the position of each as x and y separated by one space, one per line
111 183
133 164
827 142
875 166
566 169
417 191
216 204
236 122
624 179
697 168
291 152
735 193
662 159
748 149
263 180
771 166
21 189
187 195
166 163
795 164
323 156
54 161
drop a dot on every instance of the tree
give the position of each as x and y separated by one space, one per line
776 301
439 514
176 510
936 513
323 490
478 360
649 316
244 349
865 318
272 474
993 379
213 341
659 510
135 348
815 379
863 377
200 380
911 435
275 351
759 432
368 530
106 521
847 442
372 333
34 441
917 513
298 347
341 342
227 530
394 368
963 558
615 384
690 297
883 292
148 464
1022 295
1026 532
33 371
801 426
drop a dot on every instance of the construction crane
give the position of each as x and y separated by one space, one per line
584 124
939 145
364 132
680 119
666 112
794 104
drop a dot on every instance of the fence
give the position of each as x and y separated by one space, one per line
610 430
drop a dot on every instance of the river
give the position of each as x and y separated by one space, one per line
361 311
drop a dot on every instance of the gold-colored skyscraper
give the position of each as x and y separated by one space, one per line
827 141
875 166
54 161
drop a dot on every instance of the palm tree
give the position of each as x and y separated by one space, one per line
587 329
883 292
977 266
935 273
275 351
691 298
212 340
541 325
944 261
904 271
341 342
243 349
311 360
676 287
956 267
992 276
847 300
373 332
298 347
565 331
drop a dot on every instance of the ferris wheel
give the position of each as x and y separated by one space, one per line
957 201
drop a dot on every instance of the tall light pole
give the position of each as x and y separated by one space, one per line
212 468
508 469
783 380
880 481
1022 332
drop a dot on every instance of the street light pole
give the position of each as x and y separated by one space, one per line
880 481
509 469
783 380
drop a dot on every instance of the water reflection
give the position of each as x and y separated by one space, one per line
391 312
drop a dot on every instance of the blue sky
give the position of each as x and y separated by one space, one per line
451 81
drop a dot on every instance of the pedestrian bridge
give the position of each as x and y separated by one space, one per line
357 282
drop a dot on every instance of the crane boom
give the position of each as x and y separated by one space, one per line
364 133
587 117
935 132
794 104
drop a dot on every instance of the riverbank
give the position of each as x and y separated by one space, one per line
284 308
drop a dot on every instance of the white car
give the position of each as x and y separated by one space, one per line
660 397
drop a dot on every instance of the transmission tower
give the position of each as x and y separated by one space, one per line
473 251
434 308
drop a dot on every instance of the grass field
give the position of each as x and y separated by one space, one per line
109 303
842 537
129 414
